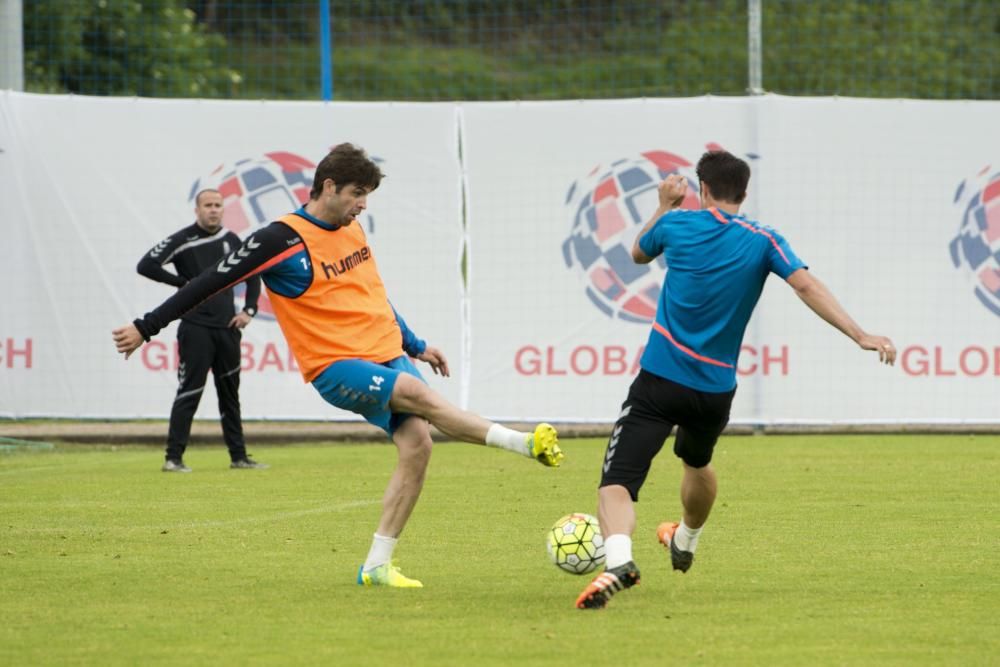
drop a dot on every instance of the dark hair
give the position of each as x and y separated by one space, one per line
725 174
344 164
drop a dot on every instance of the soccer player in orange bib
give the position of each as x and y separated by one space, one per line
348 340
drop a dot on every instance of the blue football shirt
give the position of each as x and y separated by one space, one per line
716 267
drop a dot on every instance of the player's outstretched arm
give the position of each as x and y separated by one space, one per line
274 242
821 300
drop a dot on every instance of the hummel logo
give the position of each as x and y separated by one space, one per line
613 443
378 380
158 248
242 253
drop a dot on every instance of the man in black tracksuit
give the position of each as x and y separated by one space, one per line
208 336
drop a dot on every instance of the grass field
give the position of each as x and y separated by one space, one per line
822 550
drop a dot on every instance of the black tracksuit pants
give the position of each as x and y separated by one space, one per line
202 349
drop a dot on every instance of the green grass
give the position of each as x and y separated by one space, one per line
849 550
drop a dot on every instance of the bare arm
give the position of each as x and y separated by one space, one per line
821 300
671 191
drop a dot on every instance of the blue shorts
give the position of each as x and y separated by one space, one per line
365 387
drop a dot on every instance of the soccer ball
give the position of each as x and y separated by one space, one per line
575 544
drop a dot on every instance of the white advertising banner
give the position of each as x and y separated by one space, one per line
88 185
502 231
893 204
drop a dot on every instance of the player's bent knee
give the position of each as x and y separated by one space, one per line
418 452
610 487
696 461
613 491
693 452
413 439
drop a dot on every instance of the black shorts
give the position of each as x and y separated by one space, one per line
653 407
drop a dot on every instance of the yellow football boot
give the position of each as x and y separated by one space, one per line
544 445
386 574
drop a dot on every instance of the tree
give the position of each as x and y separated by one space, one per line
122 47
919 49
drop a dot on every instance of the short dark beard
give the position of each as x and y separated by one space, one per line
208 227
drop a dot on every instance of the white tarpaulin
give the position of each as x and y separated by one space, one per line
865 192
88 185
894 204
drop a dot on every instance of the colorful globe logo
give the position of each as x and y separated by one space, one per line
976 247
608 208
257 191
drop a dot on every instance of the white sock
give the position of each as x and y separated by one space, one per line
505 438
687 538
618 550
381 551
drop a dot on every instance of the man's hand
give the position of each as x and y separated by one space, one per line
127 339
436 359
240 320
886 350
672 191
